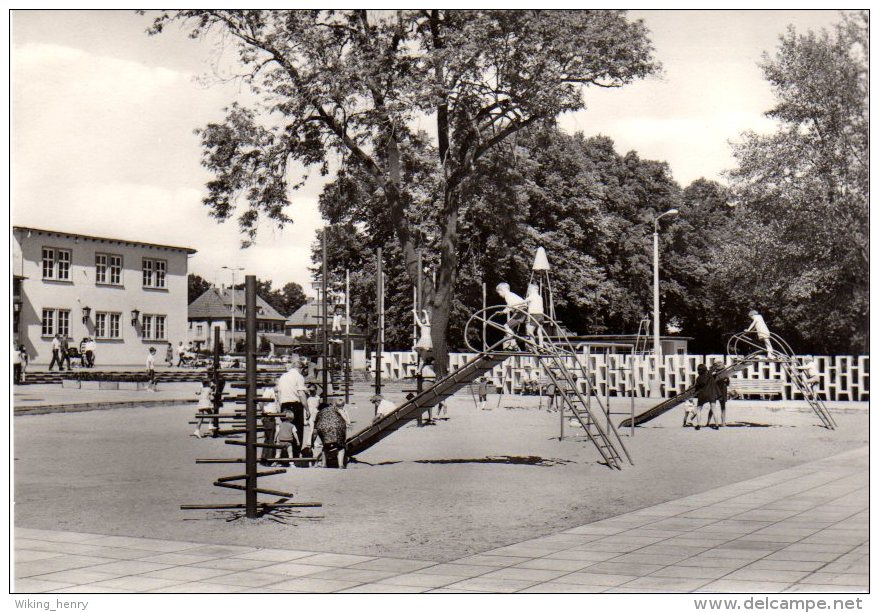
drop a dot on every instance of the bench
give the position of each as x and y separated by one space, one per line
762 387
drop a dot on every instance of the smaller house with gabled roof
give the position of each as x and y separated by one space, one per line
217 308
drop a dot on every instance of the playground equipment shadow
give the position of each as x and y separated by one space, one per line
440 493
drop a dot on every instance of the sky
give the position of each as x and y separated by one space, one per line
103 121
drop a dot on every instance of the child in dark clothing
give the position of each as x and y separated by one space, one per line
706 392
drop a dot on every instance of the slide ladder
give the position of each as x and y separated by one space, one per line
788 360
564 368
413 408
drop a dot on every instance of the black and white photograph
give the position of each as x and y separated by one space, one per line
476 301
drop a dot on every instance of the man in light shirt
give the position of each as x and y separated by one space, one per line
292 395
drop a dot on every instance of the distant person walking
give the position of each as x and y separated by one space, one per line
151 369
181 355
56 353
169 354
65 352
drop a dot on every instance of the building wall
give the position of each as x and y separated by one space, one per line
82 290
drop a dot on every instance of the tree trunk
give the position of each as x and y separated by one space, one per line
445 283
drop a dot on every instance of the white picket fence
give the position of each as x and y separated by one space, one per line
842 377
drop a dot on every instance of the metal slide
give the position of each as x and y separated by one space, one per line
430 397
668 405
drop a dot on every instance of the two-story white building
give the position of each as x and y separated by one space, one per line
127 295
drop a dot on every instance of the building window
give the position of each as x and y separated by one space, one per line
154 273
63 322
55 321
48 322
154 327
108 269
56 264
107 325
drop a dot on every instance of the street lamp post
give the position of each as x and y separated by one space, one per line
657 346
233 270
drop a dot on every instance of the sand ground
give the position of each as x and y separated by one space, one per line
477 480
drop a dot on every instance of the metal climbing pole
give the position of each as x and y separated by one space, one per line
250 411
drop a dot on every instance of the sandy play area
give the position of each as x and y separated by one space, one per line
477 480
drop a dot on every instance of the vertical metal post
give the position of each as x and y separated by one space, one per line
217 399
417 301
657 346
379 333
484 316
250 414
348 349
324 343
632 401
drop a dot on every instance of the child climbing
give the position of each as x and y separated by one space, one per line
424 345
758 325
810 372
337 325
535 312
515 316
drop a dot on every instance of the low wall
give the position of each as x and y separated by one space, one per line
842 377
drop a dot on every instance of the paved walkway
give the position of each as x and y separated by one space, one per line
803 529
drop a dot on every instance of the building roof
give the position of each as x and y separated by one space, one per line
217 304
279 340
309 315
123 241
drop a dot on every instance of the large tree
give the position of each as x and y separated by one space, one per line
350 85
196 286
588 205
800 248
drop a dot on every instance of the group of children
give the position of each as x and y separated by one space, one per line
516 310
294 427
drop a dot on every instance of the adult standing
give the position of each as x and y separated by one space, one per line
293 396
65 352
56 353
169 354
706 393
722 383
